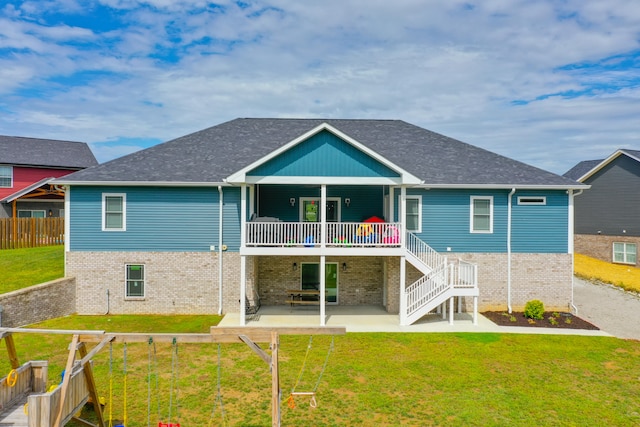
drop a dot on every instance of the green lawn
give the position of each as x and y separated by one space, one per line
22 268
371 379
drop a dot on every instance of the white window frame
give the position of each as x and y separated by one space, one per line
472 214
104 211
127 280
532 200
624 253
10 176
407 198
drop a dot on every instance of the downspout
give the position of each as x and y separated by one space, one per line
221 201
572 195
108 308
509 206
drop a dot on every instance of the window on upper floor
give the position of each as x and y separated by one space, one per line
134 287
481 209
625 253
114 212
414 213
6 176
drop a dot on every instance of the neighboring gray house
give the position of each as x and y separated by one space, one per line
607 218
27 167
317 212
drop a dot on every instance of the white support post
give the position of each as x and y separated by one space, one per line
322 297
403 216
451 311
323 216
475 310
243 290
403 293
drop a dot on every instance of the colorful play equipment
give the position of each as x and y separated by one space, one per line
391 235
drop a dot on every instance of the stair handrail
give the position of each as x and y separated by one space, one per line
423 252
427 287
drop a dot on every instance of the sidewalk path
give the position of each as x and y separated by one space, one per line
609 308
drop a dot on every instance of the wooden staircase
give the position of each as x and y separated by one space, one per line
441 281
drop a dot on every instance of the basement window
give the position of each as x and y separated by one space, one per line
625 253
135 281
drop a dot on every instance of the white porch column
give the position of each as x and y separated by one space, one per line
243 258
322 297
403 216
323 216
243 289
403 294
392 204
451 311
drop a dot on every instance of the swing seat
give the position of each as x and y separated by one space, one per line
161 424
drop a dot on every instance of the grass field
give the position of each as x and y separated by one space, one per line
371 379
27 267
624 276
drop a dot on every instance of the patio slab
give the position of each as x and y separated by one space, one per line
376 319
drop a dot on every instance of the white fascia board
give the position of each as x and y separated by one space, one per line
141 183
241 175
318 180
605 162
26 190
507 187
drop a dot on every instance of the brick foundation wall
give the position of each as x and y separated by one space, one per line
547 277
600 246
360 284
38 303
176 282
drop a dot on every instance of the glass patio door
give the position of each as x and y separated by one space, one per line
311 279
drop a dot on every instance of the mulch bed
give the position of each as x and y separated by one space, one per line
562 320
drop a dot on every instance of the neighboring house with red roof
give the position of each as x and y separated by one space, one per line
607 219
278 209
27 167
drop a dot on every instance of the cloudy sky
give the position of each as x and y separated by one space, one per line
547 82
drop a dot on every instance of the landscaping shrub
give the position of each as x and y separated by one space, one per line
534 309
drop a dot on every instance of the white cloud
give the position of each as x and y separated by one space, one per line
448 66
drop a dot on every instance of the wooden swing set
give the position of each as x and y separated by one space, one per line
56 407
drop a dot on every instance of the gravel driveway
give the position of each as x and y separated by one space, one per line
611 309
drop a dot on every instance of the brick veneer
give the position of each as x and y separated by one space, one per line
547 277
187 283
176 282
360 284
601 247
38 303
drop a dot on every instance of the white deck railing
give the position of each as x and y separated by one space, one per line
338 234
425 253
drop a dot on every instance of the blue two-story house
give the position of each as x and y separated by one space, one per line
317 212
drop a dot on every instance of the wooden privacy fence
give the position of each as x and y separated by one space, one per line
31 232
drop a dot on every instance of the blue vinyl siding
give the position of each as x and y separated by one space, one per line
540 229
366 201
535 229
157 219
324 154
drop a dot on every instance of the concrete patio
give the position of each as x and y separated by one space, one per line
376 319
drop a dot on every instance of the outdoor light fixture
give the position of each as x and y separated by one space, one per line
344 266
295 266
292 201
347 201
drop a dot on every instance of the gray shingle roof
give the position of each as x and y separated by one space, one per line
17 150
581 168
213 154
584 167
